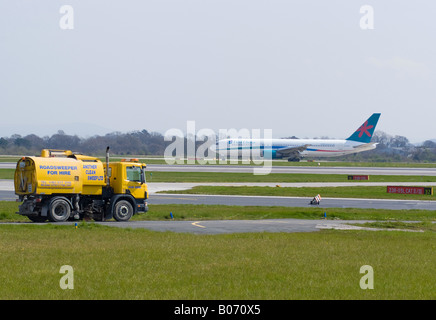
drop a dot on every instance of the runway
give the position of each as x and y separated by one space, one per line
406 171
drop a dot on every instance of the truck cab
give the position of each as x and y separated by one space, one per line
127 177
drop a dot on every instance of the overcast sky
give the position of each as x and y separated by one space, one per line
303 68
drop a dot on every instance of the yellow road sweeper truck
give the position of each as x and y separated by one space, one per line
61 185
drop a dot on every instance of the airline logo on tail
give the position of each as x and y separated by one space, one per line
366 130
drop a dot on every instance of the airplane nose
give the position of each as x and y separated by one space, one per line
214 147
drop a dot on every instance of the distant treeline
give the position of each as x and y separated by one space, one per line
395 149
389 148
132 143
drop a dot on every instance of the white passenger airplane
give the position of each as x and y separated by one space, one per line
295 149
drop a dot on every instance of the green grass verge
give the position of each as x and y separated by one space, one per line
7 173
112 263
115 263
220 212
327 192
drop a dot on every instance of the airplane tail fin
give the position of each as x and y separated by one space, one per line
366 130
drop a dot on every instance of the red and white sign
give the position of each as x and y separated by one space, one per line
409 190
359 177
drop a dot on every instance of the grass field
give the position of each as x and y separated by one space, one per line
115 263
193 212
112 263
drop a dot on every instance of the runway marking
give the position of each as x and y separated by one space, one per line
197 225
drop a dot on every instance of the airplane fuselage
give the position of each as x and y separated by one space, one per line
294 149
312 147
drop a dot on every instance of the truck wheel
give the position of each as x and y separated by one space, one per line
59 210
123 210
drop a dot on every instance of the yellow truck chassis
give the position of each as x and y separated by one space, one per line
60 185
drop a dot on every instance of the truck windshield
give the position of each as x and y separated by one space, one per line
133 173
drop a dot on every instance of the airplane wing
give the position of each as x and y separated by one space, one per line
366 146
292 150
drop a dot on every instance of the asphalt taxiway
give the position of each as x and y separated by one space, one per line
406 171
229 226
